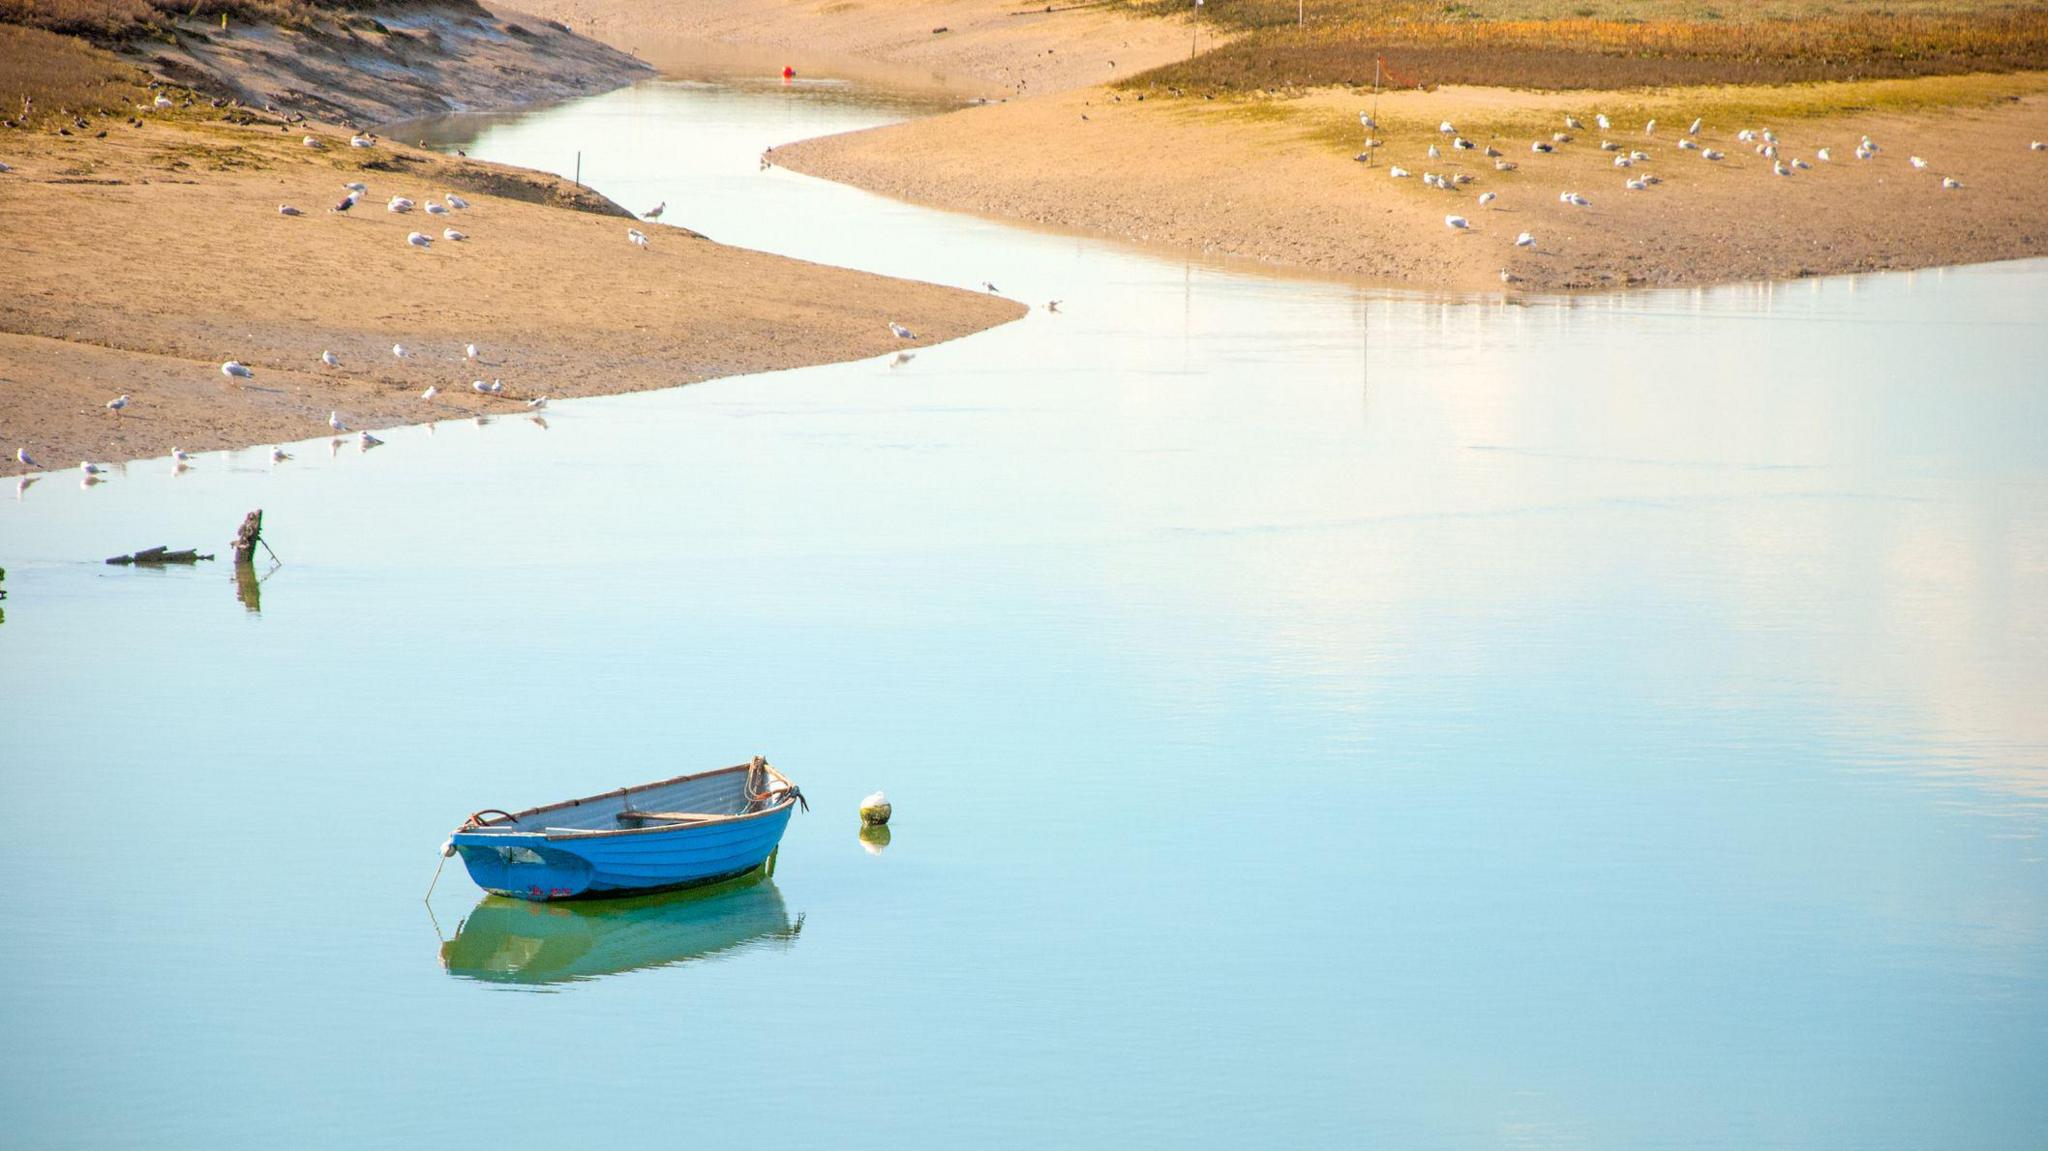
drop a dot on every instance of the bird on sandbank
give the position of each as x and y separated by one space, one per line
901 332
419 239
330 359
334 421
236 369
116 404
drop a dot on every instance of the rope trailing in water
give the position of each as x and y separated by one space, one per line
446 851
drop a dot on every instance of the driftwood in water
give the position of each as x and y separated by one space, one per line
159 555
248 536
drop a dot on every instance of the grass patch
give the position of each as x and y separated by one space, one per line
1543 44
109 22
60 73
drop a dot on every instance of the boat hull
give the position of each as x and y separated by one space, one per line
548 867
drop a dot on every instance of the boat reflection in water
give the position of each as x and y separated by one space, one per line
519 941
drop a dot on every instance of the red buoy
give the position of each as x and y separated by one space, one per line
788 73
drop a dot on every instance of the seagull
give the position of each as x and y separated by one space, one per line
497 387
637 238
455 201
1916 161
1504 165
398 204
310 141
479 387
1951 182
1398 173
398 350
1462 144
993 290
334 421
1778 168
1650 129
279 455
1695 129
1601 119
1366 121
1770 137
469 352
430 393
180 455
1540 146
1486 198
369 441
362 142
901 332
237 369
1800 164
418 239
288 210
115 405
1688 146
1823 155
1507 277
1635 185
162 102
1572 122
452 234
347 202
1052 305
655 212
1457 223
1623 162
437 210
1609 146
1525 240
1434 153
537 402
90 468
1713 155
330 359
1639 156
1576 199
2037 146
1444 127
22 457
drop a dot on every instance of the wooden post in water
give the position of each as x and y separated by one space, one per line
249 535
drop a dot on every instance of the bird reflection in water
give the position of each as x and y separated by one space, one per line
875 839
522 942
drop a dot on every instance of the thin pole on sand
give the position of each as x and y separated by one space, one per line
579 168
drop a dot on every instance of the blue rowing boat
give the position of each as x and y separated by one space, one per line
681 832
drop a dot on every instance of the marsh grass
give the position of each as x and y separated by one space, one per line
1544 44
61 73
114 21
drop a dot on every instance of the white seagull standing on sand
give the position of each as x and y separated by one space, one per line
22 457
162 102
1525 240
1398 173
1695 129
452 234
398 350
330 359
398 204
334 421
430 393
437 209
236 369
1457 223
1486 198
455 201
479 387
1650 129
1951 182
901 332
288 210
362 142
1823 155
469 352
1916 161
116 404
419 239
637 238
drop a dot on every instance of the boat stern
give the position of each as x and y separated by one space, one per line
522 866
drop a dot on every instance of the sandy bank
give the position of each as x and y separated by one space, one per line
987 47
1274 180
138 263
391 62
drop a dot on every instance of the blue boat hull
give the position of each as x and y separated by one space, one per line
546 867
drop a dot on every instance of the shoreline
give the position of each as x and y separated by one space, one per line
227 276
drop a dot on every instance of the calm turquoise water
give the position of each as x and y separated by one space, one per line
1316 717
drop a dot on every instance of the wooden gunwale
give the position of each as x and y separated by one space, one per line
580 833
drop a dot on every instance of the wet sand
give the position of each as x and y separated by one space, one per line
137 264
1276 180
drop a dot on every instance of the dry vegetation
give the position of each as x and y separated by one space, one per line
58 72
110 21
1604 44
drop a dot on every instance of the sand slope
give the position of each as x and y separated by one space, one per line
987 48
1275 181
138 263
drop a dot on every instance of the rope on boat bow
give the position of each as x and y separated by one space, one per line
778 787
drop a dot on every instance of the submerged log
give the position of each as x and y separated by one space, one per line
160 555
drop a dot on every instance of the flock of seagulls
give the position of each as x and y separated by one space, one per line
1764 140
